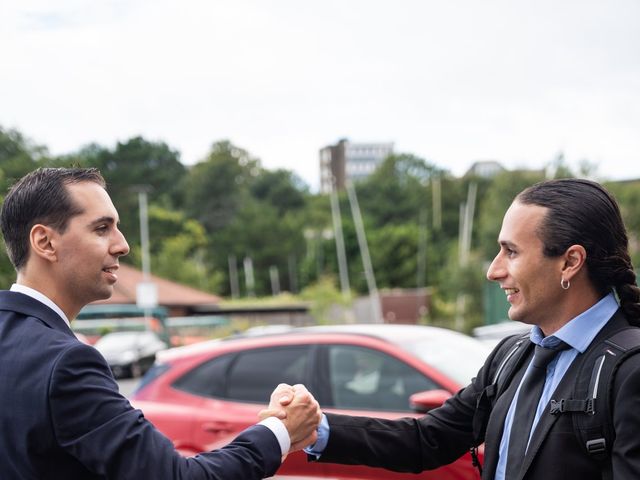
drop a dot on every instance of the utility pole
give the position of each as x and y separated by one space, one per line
342 257
436 200
364 252
467 211
233 277
274 276
146 291
293 274
248 276
421 272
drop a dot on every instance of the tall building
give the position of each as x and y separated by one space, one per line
485 169
350 161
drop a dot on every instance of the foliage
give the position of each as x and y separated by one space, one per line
180 249
228 206
7 273
18 156
455 282
628 196
395 192
248 212
281 189
324 296
215 188
258 232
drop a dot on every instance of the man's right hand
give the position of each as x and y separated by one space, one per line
299 412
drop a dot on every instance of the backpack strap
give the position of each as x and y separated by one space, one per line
516 349
591 405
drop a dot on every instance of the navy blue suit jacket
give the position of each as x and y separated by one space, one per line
62 417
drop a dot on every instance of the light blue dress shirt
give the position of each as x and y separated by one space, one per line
577 333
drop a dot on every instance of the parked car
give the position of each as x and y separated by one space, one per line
203 394
130 353
494 333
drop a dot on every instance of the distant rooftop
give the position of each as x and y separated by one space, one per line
170 294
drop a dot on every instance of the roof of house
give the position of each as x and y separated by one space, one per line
169 293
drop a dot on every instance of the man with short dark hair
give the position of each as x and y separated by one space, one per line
565 268
61 415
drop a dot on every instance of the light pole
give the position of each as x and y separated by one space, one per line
146 291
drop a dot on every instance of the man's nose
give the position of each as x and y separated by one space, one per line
495 270
121 247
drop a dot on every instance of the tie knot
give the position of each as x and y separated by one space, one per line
543 355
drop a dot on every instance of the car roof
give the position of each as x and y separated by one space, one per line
390 333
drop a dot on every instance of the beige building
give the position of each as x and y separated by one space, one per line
346 161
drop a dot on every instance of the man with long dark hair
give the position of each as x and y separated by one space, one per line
565 268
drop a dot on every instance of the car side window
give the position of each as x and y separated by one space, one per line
362 378
255 373
207 380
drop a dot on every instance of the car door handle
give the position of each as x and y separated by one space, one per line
217 427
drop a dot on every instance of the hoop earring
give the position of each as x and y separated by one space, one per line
565 284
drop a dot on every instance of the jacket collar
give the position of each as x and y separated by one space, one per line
26 305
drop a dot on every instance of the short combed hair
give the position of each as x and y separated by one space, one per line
40 197
582 212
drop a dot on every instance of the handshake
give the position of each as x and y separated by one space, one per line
299 411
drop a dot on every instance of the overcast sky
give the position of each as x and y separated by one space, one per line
450 81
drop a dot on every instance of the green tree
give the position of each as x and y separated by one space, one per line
248 212
396 191
259 232
628 195
215 188
395 255
18 156
284 190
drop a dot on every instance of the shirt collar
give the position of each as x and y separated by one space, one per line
36 295
580 331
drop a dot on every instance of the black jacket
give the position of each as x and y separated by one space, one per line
446 433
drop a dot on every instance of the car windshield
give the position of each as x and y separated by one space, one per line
458 356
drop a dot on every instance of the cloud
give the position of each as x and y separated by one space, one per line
453 82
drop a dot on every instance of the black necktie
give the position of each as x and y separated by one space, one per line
528 399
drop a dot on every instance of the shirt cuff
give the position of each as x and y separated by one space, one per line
280 431
317 448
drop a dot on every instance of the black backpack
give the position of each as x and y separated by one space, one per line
590 407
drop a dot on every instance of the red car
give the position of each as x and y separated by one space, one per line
201 395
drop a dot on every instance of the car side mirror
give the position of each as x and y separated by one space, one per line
422 402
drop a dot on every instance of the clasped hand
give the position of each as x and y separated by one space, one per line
299 412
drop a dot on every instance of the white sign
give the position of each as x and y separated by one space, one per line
146 295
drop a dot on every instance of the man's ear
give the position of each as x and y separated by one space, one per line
574 259
42 244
